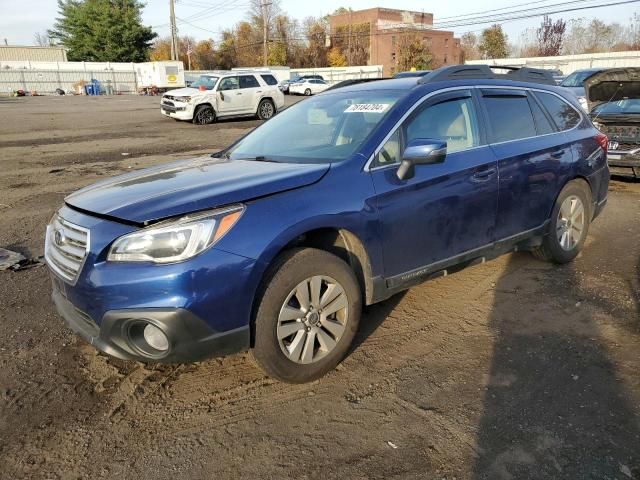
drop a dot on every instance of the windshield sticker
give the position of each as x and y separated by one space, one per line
367 107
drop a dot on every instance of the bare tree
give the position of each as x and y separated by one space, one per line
550 36
42 40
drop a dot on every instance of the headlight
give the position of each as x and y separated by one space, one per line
583 103
175 240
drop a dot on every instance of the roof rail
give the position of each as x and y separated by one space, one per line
468 72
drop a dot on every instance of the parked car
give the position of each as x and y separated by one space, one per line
285 84
275 243
412 73
613 98
575 83
224 95
308 87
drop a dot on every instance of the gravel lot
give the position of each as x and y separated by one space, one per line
511 369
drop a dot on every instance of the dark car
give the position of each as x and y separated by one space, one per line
412 73
613 98
275 243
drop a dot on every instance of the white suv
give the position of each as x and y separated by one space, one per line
224 94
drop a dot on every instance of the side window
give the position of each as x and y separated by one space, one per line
248 81
543 125
228 83
390 152
563 114
451 120
510 117
269 79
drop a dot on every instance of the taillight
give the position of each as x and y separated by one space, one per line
603 141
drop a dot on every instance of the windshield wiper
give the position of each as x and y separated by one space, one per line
257 158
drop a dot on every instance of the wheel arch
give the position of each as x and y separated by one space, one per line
336 240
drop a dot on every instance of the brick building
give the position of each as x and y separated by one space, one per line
372 37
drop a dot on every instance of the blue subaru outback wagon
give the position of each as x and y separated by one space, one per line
275 243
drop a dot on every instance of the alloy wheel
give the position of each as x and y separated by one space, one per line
204 116
266 110
312 319
571 221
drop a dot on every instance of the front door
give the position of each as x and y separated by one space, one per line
228 97
445 209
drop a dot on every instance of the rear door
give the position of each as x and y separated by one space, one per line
445 209
531 156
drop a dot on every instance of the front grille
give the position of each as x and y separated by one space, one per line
624 147
66 248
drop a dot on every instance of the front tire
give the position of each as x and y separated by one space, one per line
204 115
266 109
307 92
307 315
569 225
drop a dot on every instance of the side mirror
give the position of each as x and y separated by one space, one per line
421 151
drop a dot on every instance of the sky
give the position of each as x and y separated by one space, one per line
208 17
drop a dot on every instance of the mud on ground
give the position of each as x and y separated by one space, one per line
511 369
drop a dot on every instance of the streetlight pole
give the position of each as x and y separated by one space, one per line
265 30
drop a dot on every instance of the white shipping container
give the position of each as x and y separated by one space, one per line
169 74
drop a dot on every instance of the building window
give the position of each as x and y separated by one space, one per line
446 42
393 40
445 58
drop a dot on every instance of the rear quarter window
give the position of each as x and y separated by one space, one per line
564 115
510 117
269 79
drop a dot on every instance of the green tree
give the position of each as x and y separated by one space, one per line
102 30
493 43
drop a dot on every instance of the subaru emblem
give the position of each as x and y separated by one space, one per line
59 237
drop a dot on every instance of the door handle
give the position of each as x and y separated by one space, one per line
239 93
483 175
557 154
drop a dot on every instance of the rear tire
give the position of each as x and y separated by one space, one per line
266 109
569 225
307 315
307 92
204 115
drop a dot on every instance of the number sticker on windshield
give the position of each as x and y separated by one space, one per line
367 107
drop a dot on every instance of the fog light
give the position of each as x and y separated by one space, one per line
156 338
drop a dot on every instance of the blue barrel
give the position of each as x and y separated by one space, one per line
88 89
96 86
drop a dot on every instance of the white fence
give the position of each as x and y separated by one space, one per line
570 63
47 81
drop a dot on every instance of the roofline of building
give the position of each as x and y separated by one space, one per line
35 47
380 9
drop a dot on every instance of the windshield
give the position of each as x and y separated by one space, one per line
207 82
323 129
576 79
621 107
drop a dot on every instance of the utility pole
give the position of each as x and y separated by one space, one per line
349 42
174 31
265 30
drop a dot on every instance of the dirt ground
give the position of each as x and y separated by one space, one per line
514 369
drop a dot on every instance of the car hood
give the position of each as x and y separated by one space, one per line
612 85
183 187
183 92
